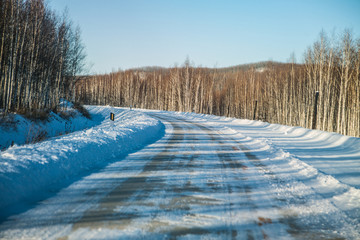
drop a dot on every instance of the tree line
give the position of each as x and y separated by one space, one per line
40 56
275 92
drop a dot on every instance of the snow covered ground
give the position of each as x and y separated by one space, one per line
29 173
208 177
17 130
331 153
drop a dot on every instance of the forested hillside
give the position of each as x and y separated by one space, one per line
40 55
273 92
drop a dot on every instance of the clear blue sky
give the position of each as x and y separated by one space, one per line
213 33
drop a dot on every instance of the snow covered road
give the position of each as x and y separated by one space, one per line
204 179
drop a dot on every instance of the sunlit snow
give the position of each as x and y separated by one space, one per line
206 177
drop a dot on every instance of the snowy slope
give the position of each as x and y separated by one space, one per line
29 171
17 130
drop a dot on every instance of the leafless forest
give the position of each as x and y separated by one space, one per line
40 55
272 92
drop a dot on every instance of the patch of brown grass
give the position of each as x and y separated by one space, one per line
82 110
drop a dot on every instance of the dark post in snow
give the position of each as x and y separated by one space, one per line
112 116
315 110
255 110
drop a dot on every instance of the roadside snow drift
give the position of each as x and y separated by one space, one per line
28 171
17 130
331 153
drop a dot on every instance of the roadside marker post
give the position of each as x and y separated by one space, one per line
254 118
112 119
315 110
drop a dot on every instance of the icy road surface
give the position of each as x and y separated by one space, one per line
201 180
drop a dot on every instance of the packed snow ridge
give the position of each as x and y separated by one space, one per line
28 172
16 129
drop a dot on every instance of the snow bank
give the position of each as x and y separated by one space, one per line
331 153
17 130
30 170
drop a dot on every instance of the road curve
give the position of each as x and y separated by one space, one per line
196 182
